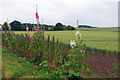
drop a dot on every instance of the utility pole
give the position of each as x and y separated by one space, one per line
77 24
7 20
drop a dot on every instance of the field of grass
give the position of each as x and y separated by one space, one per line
100 38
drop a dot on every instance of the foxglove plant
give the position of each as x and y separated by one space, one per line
74 65
38 29
38 38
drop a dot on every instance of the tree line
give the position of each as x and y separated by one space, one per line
85 26
18 26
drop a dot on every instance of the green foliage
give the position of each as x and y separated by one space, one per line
16 25
72 28
59 26
5 27
114 72
46 27
73 65
68 27
43 53
44 66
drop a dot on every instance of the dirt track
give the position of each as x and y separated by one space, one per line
97 63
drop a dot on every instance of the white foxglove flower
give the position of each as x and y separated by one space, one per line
72 43
77 32
78 35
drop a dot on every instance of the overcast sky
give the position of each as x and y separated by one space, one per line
99 13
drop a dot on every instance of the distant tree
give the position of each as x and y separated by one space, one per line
30 26
59 26
16 25
85 26
46 27
64 27
68 27
5 27
51 29
72 28
23 27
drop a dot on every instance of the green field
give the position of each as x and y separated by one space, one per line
100 38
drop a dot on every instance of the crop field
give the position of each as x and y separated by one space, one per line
100 38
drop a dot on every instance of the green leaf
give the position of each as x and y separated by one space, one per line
69 75
72 71
63 65
77 74
68 55
45 65
87 55
77 68
40 64
67 63
44 61
65 71
84 66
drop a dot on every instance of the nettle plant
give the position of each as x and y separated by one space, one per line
73 67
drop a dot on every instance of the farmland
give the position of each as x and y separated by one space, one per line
100 38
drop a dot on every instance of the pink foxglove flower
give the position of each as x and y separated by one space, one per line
8 25
41 25
0 27
37 17
43 31
82 55
38 30
31 38
36 35
27 28
83 51
34 28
